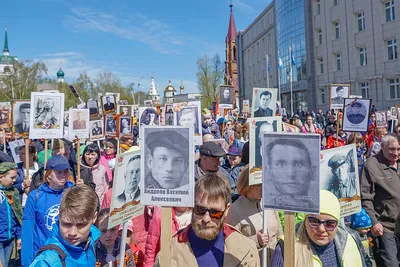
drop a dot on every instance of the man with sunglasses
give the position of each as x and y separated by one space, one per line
208 241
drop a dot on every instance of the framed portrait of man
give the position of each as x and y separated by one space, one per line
339 175
78 123
356 114
259 126
96 131
264 102
148 103
109 104
125 110
125 200
169 115
291 172
15 147
188 114
381 118
116 95
393 112
110 126
168 156
4 118
125 126
93 106
338 92
226 96
46 117
20 116
149 116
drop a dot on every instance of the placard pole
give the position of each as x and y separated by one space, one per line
122 245
166 236
27 167
46 147
4 142
289 234
78 148
265 250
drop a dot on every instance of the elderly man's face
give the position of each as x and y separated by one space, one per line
210 164
226 93
291 172
341 172
391 151
167 166
47 103
25 114
132 176
265 100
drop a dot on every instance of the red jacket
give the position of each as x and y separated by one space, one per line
330 142
153 238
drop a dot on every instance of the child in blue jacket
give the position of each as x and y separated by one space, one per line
10 212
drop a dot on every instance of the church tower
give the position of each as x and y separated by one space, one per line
231 70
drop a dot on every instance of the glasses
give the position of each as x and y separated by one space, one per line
215 214
329 225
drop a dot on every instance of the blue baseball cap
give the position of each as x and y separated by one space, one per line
57 163
235 151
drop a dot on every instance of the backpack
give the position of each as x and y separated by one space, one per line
60 252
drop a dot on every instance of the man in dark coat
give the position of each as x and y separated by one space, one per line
108 106
264 110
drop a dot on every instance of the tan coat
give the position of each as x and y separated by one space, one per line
247 217
239 250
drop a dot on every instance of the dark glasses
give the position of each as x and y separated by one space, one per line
201 211
329 225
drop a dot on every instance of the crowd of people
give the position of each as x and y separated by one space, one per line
59 217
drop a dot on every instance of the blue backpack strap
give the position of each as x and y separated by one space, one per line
55 248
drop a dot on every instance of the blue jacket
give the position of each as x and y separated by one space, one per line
20 176
76 256
212 129
40 215
9 225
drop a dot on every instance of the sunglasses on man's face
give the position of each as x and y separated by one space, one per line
215 214
329 225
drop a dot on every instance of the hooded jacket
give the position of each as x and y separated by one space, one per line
76 256
40 216
9 225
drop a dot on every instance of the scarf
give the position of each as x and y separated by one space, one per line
309 129
108 157
12 195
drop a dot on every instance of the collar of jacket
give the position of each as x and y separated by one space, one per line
340 241
183 235
252 203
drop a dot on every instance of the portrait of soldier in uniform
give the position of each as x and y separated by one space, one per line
96 129
109 103
187 117
339 98
79 123
24 112
46 114
132 178
263 109
343 183
355 114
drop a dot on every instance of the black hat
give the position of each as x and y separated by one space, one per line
336 161
168 139
356 104
212 149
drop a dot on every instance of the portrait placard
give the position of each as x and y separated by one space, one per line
47 114
116 95
96 130
125 126
93 106
338 93
4 118
188 114
110 125
356 114
149 116
381 118
339 175
148 103
246 106
226 96
78 124
169 115
264 102
108 104
125 110
259 126
14 148
290 175
20 117
126 193
393 113
168 169
290 128
135 111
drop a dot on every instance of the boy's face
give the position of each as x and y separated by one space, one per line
8 179
75 233
363 231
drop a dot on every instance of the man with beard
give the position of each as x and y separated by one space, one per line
132 179
208 240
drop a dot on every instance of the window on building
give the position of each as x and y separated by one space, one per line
363 56
338 61
335 2
336 25
392 49
394 88
321 65
389 11
364 88
318 7
361 21
323 96
319 36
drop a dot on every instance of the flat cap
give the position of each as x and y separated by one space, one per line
169 139
336 161
7 166
211 149
356 104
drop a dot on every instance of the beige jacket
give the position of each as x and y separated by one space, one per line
247 217
239 251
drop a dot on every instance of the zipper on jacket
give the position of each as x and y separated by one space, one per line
9 218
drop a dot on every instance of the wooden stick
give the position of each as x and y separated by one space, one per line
289 239
79 158
4 140
46 144
27 166
121 261
264 249
166 236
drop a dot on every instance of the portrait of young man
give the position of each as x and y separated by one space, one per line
355 114
96 129
125 126
93 107
226 95
131 178
24 113
264 109
187 117
108 103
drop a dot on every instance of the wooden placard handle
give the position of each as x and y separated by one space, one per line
166 236
289 259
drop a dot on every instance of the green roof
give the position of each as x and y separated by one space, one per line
7 59
5 43
60 73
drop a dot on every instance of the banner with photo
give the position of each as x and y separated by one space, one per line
78 124
167 166
259 126
246 106
109 104
126 193
226 96
96 131
125 110
93 106
339 175
381 119
15 147
338 92
188 114
20 117
47 114
264 102
356 114
290 175
148 116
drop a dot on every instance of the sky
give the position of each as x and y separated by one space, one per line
131 38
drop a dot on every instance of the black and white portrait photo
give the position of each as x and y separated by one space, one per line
167 154
15 148
226 96
125 126
111 126
187 114
116 95
259 126
93 107
21 113
381 118
131 176
264 102
96 130
109 105
356 113
47 113
4 118
125 110
291 172
148 103
169 114
339 175
149 116
78 123
338 93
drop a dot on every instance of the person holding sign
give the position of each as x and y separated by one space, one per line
322 241
208 240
